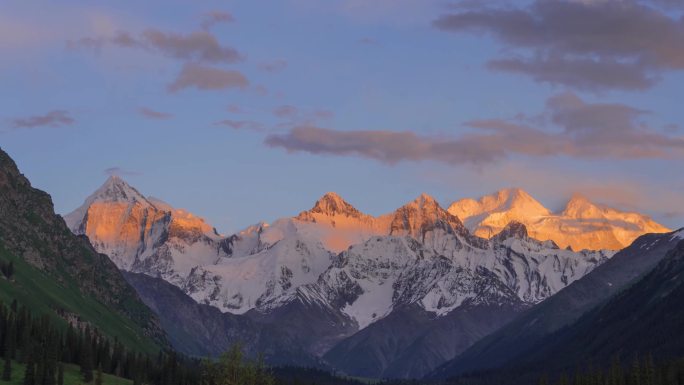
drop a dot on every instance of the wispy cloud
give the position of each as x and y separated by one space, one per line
368 41
199 46
234 109
207 78
286 111
589 45
212 18
152 114
118 171
242 125
56 118
273 65
576 129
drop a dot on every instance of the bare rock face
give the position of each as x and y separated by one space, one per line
581 225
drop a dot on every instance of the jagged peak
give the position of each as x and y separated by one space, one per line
509 199
423 201
422 214
332 204
116 189
513 229
425 198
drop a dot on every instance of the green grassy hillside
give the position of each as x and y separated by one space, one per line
72 376
44 295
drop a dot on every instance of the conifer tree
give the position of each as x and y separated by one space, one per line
98 376
60 374
30 372
635 372
87 359
7 368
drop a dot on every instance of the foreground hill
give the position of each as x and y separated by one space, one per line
58 273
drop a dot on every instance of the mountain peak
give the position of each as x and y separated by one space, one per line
515 201
115 189
513 229
423 214
332 204
579 206
425 198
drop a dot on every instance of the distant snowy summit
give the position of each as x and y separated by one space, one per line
581 225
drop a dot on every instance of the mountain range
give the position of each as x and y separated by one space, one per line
580 225
390 296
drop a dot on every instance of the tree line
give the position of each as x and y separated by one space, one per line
641 371
45 346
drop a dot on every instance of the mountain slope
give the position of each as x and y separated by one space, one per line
564 308
581 225
445 296
202 330
59 273
645 319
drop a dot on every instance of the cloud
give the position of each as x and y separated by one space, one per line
200 46
56 118
322 114
368 41
207 78
577 129
212 18
286 111
273 66
118 171
583 44
152 114
582 73
384 146
235 109
241 125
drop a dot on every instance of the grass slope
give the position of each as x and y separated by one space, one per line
72 376
44 295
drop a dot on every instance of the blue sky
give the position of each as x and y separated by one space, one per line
371 99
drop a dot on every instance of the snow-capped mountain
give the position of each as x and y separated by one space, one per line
420 254
581 225
333 271
145 234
